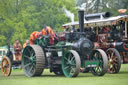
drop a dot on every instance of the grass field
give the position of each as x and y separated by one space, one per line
18 78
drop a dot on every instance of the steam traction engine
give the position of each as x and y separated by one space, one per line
65 57
109 34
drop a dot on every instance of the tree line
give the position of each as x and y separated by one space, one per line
19 18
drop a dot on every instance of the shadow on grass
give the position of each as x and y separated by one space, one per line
62 76
47 75
123 72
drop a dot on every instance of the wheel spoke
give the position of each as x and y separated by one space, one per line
112 54
6 62
33 54
108 54
27 65
113 70
27 57
65 58
115 58
29 50
72 70
72 58
30 69
66 67
73 64
69 56
34 58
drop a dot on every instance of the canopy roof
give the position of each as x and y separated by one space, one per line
99 22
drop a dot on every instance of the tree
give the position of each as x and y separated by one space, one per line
94 6
19 18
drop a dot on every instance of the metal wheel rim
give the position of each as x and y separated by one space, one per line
113 61
29 61
6 66
99 69
70 66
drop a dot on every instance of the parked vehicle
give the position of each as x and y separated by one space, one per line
109 34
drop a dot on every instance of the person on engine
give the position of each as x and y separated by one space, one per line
26 43
47 30
33 37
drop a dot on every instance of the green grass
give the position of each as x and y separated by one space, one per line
18 78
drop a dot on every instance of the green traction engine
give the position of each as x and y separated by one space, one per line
65 57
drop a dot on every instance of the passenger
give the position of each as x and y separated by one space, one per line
33 37
106 29
18 50
48 31
26 43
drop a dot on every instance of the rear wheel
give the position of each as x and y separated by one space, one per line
6 66
114 60
71 64
100 56
33 60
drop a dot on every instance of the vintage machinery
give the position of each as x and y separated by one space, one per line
66 57
110 34
8 61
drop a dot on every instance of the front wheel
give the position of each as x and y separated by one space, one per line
100 56
6 66
71 64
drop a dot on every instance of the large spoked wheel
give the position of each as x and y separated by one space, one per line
6 66
71 64
100 56
114 60
33 60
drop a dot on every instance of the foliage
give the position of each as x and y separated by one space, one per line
95 6
19 18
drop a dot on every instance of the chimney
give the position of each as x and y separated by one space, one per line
81 20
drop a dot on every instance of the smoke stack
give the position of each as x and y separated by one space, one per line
81 20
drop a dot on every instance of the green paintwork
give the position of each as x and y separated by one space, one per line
43 41
28 60
91 63
68 64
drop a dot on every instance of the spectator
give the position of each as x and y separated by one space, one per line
18 50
